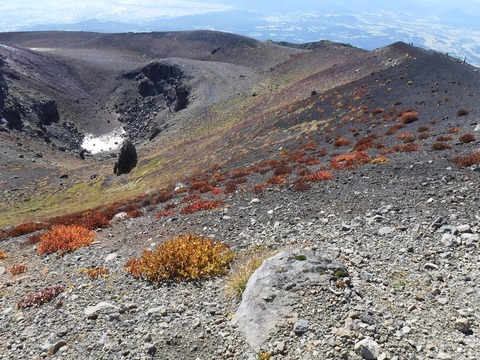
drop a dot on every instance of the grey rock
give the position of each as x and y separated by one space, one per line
300 327
444 356
92 311
367 349
120 217
55 347
449 240
256 318
160 310
463 325
439 222
385 231
449 229
367 319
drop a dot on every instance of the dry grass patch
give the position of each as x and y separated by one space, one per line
241 272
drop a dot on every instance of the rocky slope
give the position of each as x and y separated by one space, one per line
409 244
336 154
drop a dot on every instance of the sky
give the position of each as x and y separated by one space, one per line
445 26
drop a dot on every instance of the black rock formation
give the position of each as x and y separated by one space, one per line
127 159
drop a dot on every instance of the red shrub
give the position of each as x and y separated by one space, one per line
350 161
26 228
258 189
282 169
230 187
318 176
299 186
201 205
467 138
394 128
164 213
135 213
191 198
340 141
423 136
216 191
423 129
441 146
468 160
276 179
444 138
411 147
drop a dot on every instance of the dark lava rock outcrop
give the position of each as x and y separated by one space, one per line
127 159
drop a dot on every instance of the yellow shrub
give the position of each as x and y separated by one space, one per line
185 257
3 254
64 239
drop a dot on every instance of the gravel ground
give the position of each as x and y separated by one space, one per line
407 235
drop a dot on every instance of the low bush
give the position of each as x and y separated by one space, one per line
462 112
94 273
276 179
440 146
350 161
341 141
408 116
318 176
468 160
64 239
3 254
467 138
201 205
26 228
17 269
186 257
40 297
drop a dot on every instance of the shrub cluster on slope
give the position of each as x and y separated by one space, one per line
186 257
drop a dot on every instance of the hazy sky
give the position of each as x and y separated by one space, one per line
15 14
442 25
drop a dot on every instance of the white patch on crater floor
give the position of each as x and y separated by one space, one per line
107 142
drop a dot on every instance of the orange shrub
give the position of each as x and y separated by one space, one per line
185 257
404 136
408 116
201 205
64 239
94 273
17 269
454 130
